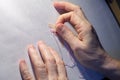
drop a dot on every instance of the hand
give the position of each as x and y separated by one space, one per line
46 66
86 46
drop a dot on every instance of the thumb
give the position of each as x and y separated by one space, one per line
68 36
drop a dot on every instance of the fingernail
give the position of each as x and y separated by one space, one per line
22 62
31 49
40 42
30 46
59 27
57 2
54 2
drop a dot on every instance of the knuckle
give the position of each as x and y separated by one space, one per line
90 28
27 75
70 36
40 66
50 60
87 25
60 62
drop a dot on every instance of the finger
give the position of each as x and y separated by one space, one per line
60 65
71 17
68 36
49 60
65 6
39 67
64 18
24 71
76 18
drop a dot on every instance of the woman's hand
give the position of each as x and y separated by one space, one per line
46 66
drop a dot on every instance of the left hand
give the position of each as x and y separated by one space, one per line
46 66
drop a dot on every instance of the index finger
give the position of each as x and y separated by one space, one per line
65 6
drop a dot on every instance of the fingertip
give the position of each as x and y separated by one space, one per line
40 42
30 49
30 46
41 45
57 4
54 3
59 26
22 63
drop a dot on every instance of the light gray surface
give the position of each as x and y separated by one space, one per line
23 22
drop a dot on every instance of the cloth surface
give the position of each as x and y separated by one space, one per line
24 22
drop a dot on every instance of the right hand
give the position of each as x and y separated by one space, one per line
86 46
